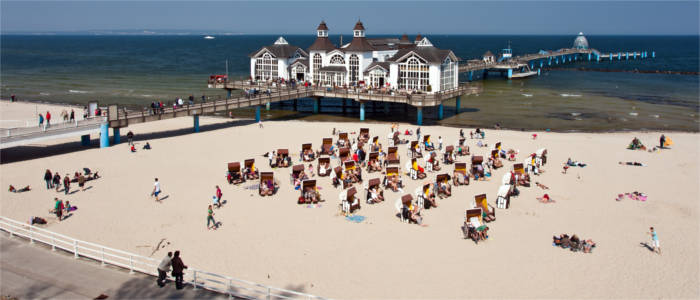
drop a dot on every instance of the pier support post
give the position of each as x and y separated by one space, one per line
294 105
471 75
267 106
611 56
589 57
541 63
550 61
257 113
316 104
85 140
195 123
531 66
116 139
362 111
538 72
510 73
653 54
228 94
627 56
619 56
458 104
440 111
419 116
104 135
634 55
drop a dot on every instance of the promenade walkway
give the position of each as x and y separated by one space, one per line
33 271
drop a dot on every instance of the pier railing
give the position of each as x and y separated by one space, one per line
26 131
230 286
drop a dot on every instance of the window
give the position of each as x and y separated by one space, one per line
414 75
317 68
337 60
354 68
377 78
447 73
266 67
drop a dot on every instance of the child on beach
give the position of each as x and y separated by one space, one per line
210 218
156 190
654 241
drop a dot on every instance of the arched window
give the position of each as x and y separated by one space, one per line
317 67
414 75
447 73
337 60
354 68
266 67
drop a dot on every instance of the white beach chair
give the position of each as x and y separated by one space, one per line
420 198
399 209
503 199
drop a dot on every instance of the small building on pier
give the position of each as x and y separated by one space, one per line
581 42
389 63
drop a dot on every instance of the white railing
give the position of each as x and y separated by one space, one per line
22 131
136 263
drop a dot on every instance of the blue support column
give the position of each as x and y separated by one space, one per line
550 60
627 56
510 73
104 135
267 106
619 56
228 94
653 54
539 71
362 111
316 100
458 104
116 138
257 113
85 140
471 75
589 57
541 63
531 66
440 111
611 56
419 116
195 123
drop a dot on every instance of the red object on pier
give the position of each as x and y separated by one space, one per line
218 78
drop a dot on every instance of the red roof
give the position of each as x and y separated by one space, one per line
322 26
358 26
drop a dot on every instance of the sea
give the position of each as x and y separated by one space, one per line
660 93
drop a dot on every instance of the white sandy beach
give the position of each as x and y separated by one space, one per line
274 241
22 114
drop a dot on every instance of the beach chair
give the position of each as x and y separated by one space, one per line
235 175
427 144
503 198
309 192
339 178
402 205
343 140
486 208
395 139
373 159
473 220
392 156
350 166
496 160
390 173
462 148
251 171
375 146
307 151
432 164
541 156
344 154
283 160
448 156
364 135
295 173
414 150
267 179
521 177
476 163
349 202
461 170
372 184
324 166
326 146
415 171
439 179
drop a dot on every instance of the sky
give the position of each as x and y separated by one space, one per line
296 17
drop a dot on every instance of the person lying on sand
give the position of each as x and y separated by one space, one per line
22 190
542 186
633 163
545 199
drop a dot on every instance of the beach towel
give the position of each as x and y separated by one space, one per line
355 218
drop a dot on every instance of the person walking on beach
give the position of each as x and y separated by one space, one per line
130 137
163 269
260 123
654 241
156 190
72 115
12 98
418 134
210 218
48 177
66 184
48 119
662 141
440 143
178 269
81 182
219 194
57 181
41 121
58 208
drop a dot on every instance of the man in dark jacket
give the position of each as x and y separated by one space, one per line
178 268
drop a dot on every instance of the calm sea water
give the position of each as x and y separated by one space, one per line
135 70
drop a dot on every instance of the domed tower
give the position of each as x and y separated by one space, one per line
581 42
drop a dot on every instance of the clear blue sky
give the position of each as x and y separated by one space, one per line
293 17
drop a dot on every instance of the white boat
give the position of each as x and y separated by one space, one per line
523 73
209 37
